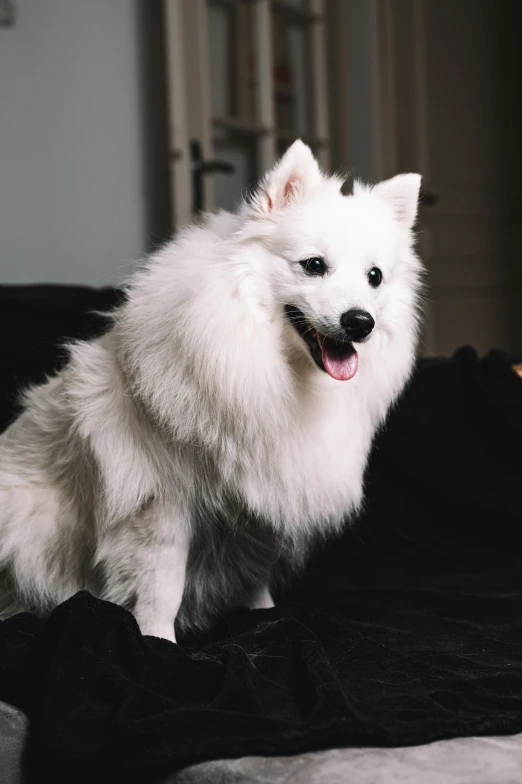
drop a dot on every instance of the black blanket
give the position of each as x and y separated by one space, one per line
406 630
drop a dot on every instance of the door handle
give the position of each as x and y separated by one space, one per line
199 167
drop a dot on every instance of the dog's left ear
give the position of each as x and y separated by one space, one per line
292 178
402 194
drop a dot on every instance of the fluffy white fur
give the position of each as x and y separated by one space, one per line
185 460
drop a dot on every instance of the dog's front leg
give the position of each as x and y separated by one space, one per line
261 599
160 586
147 558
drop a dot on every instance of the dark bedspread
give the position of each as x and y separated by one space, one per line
407 630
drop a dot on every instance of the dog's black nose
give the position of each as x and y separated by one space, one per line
357 324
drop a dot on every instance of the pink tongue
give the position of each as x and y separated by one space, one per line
339 364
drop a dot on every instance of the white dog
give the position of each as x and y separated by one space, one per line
184 460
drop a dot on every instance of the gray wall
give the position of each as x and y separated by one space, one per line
83 161
353 74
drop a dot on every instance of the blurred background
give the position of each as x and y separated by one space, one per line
121 119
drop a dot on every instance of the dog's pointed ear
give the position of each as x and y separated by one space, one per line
402 194
292 178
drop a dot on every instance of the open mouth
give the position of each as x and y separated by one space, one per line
337 358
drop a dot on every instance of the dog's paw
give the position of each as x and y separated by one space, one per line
163 630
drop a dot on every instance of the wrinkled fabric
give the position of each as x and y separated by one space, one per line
406 630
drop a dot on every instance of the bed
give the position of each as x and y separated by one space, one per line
396 657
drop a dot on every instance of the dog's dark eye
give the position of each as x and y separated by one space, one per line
314 266
375 277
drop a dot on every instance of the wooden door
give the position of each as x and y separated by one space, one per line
445 114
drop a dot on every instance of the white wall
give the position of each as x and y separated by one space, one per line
77 156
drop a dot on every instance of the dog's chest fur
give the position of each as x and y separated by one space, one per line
308 472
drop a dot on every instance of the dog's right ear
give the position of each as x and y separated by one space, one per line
295 175
402 194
